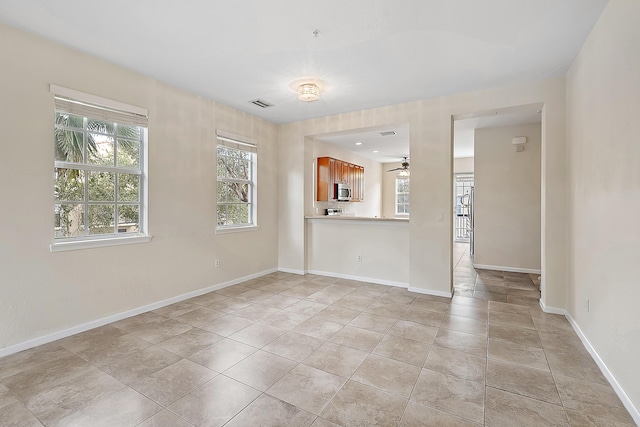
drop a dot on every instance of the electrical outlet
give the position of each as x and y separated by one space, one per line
587 305
217 263
441 216
359 257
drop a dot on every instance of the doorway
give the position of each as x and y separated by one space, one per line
496 204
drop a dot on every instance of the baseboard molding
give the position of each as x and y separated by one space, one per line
552 310
382 282
633 411
25 345
430 292
359 278
291 270
510 269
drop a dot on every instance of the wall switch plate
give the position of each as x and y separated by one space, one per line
587 305
441 216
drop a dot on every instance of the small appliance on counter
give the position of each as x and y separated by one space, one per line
334 211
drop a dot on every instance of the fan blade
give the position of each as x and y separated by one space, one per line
396 169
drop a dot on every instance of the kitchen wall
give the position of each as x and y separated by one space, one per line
42 292
463 165
603 100
372 182
507 199
430 228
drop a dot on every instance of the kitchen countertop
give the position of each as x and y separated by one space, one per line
356 218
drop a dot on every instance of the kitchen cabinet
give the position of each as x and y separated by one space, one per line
324 188
357 183
334 171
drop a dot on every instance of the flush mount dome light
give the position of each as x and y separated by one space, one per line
308 92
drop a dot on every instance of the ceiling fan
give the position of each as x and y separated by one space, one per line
403 168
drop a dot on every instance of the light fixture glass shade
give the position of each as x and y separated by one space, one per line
404 173
308 92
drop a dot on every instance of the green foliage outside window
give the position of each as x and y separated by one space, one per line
87 199
234 187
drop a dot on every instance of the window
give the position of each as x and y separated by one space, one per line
236 185
402 196
98 168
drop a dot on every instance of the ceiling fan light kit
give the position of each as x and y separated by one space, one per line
404 169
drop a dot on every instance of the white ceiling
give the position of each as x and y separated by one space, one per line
367 53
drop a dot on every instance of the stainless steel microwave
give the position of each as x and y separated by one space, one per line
342 192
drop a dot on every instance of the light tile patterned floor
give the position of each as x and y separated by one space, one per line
287 350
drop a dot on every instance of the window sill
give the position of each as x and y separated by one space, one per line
236 229
97 243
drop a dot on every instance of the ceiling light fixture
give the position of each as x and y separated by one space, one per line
308 92
358 143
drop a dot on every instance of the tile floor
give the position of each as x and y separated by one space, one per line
286 350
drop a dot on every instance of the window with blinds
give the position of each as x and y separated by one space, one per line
98 167
236 182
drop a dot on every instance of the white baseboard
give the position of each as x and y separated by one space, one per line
510 269
382 282
359 278
430 292
291 270
552 310
25 345
633 411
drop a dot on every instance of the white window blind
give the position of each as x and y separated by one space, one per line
237 142
83 104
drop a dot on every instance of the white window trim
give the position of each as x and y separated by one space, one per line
395 201
63 245
243 143
236 229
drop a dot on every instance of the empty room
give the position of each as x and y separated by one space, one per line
297 213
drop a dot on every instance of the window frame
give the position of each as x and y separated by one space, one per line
237 142
396 203
82 105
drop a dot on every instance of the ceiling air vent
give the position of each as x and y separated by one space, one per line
388 133
260 103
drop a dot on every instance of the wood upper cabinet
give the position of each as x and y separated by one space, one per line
325 189
344 176
357 183
333 171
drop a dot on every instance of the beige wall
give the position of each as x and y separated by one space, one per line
389 190
43 292
463 165
507 199
430 245
603 98
372 182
